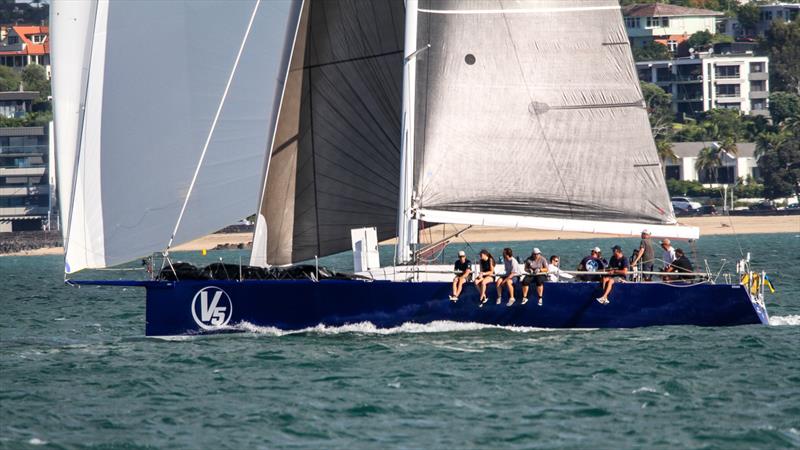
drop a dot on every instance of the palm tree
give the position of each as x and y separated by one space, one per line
665 153
708 160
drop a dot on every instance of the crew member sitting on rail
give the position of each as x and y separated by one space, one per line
463 271
681 265
536 273
513 271
486 275
554 272
617 270
590 264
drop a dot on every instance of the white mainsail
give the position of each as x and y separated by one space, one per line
335 158
181 96
529 113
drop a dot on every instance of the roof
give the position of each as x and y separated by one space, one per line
665 10
18 95
692 149
23 31
21 131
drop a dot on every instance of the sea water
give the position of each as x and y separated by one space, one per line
76 372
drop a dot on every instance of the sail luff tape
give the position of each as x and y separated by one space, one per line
517 11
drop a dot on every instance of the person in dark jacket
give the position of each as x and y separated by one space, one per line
682 264
462 269
616 270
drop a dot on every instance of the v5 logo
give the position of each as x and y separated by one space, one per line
214 309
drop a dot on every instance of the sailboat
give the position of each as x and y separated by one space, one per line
345 123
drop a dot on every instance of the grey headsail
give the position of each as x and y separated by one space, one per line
532 109
335 157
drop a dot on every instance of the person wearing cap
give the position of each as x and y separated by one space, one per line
513 271
462 269
682 264
668 257
590 263
554 272
536 273
617 271
646 255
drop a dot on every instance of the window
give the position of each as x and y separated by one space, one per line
653 22
665 21
758 105
756 67
728 90
632 22
727 71
37 38
673 45
673 172
766 15
733 106
758 86
13 40
717 175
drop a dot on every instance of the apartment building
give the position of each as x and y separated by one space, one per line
768 13
24 45
26 177
670 25
709 81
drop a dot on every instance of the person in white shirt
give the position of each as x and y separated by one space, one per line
668 257
513 271
554 272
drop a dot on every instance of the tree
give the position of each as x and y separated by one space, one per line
700 40
708 160
651 51
34 78
778 157
722 124
782 42
748 16
659 109
783 105
9 79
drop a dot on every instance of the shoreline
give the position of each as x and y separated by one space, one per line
709 226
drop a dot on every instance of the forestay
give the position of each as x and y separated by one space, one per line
532 109
336 153
178 94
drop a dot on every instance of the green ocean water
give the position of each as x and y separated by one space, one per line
76 372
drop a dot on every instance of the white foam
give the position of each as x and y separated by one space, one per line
37 441
784 320
439 326
643 389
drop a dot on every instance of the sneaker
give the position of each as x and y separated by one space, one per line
524 300
602 300
540 301
511 301
499 300
483 302
453 298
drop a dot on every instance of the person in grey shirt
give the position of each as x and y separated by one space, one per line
646 255
513 271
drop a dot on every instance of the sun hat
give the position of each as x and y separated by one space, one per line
461 253
536 251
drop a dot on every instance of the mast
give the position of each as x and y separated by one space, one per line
406 225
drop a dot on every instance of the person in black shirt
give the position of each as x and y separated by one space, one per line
681 265
463 270
486 275
616 270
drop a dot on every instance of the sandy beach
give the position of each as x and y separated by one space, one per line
709 226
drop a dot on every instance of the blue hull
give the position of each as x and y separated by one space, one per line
185 307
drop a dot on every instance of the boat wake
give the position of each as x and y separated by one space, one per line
784 320
439 326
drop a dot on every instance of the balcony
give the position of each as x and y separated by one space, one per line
27 211
758 76
691 78
24 149
33 170
23 191
690 97
759 94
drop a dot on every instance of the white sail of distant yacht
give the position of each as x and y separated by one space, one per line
164 110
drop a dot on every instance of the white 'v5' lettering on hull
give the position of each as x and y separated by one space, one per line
215 314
